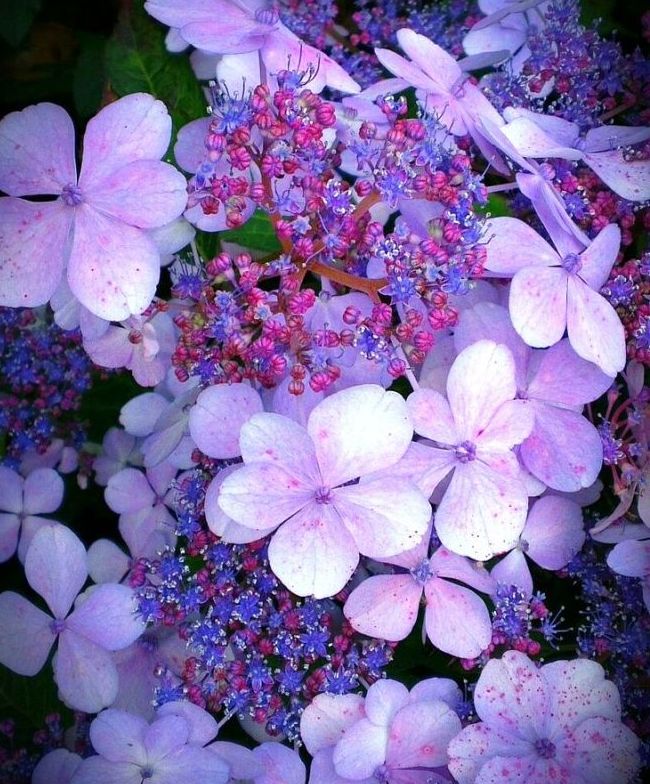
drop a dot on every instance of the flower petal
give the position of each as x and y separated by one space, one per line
514 698
385 606
456 619
513 245
263 495
312 553
272 438
365 737
420 734
564 449
482 513
55 567
216 419
538 305
432 416
85 673
481 379
579 691
146 194
118 735
608 751
107 617
43 491
327 717
513 570
37 151
359 430
33 249
9 530
385 516
598 259
595 330
561 377
630 179
554 531
134 128
113 268
25 634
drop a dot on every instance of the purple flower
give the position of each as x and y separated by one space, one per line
456 620
540 136
563 449
169 751
95 226
553 534
443 86
230 27
22 501
301 478
394 736
561 722
550 293
483 509
632 559
103 620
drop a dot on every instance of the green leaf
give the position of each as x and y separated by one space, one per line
257 233
17 17
137 61
102 403
89 76
496 207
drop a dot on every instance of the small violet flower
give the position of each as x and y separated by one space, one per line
22 501
104 620
393 736
550 293
456 620
168 751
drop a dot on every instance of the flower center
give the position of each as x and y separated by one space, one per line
545 748
381 774
465 452
572 263
57 626
523 546
323 495
422 572
71 195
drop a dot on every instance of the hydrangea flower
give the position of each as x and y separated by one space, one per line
444 87
393 736
104 620
231 27
95 228
483 509
22 501
561 722
564 449
305 478
541 136
553 534
169 751
550 293
456 620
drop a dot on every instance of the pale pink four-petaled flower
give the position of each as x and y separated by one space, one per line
95 229
393 736
473 431
302 479
456 620
551 293
557 723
